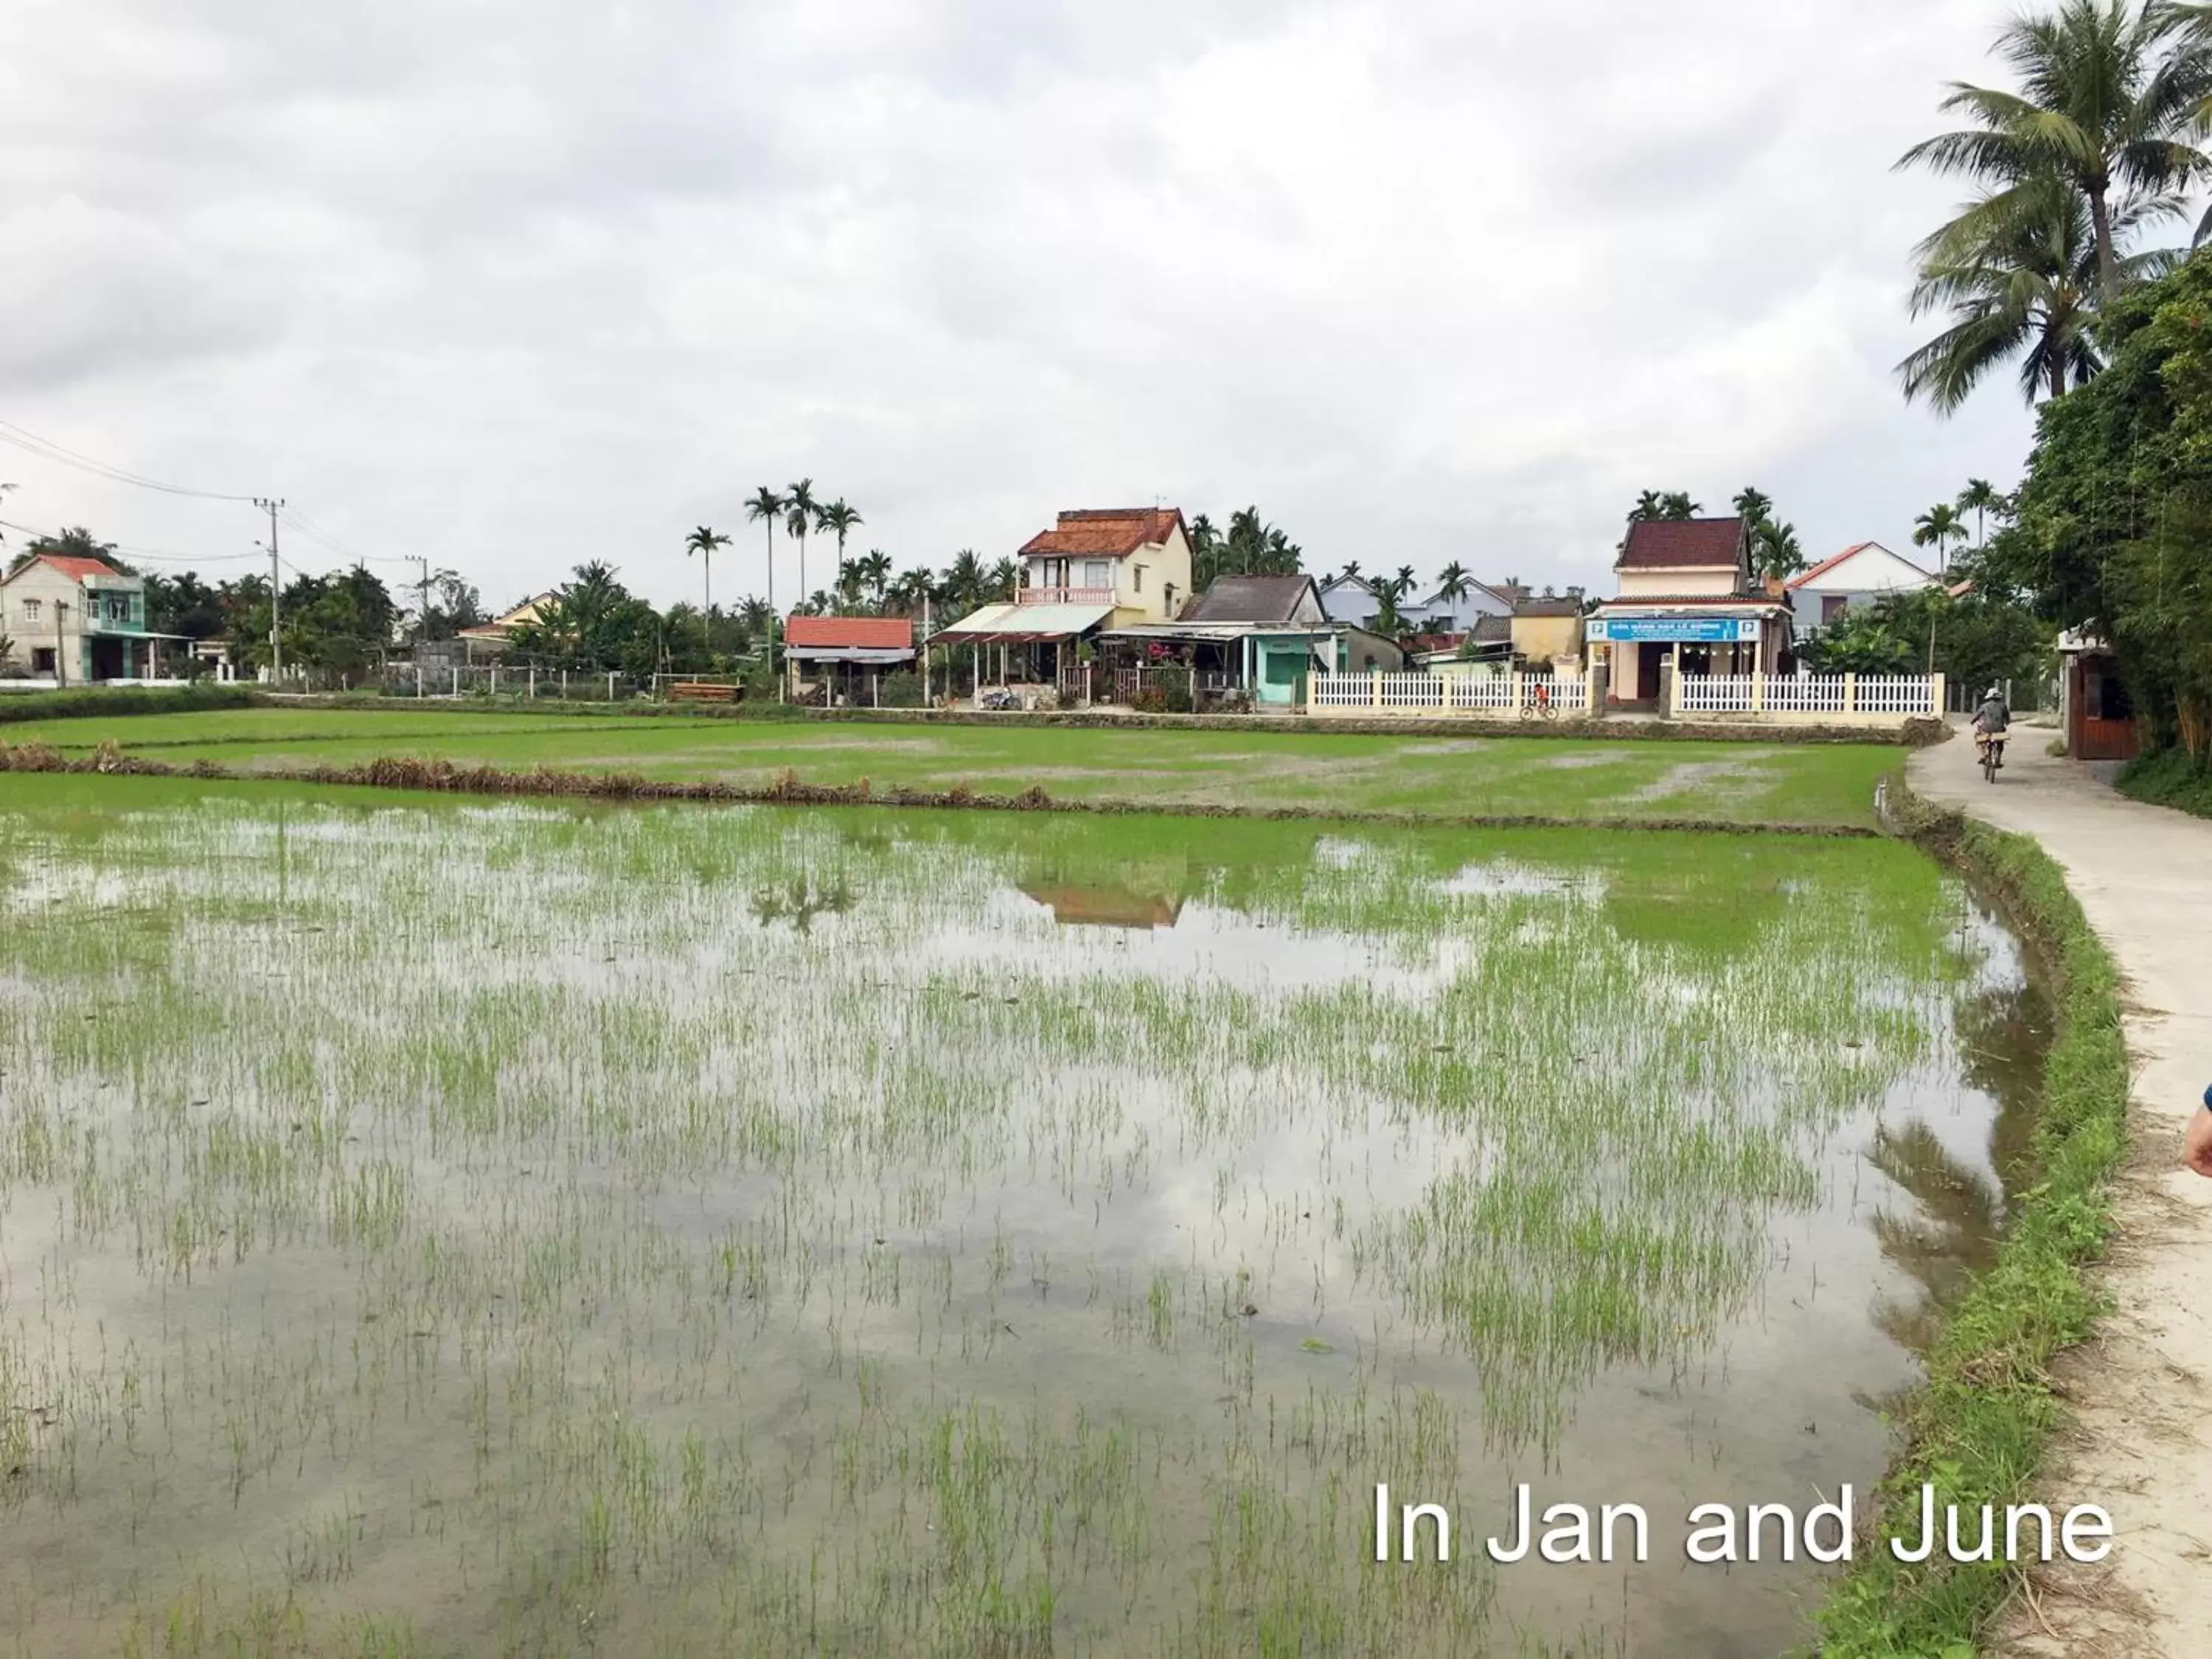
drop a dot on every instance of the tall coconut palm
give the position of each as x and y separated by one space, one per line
2111 102
1648 506
1452 583
839 521
2022 283
802 513
1938 527
703 541
1677 506
767 508
1755 505
1980 497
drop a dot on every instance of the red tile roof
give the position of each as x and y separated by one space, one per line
77 569
1113 532
850 633
1682 545
1828 564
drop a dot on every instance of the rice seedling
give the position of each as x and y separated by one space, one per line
433 1226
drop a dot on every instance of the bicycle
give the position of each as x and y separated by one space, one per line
1992 756
1539 706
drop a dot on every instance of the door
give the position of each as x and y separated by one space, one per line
1647 673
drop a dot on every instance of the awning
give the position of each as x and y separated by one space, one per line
1022 624
845 654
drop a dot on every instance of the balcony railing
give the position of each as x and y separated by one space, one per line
1064 596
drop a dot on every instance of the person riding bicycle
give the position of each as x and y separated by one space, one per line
1991 720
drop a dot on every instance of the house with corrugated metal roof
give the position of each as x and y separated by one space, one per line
1264 635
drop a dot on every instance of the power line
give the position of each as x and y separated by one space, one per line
46 449
155 554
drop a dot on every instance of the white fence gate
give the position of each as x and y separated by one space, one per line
1513 695
1841 697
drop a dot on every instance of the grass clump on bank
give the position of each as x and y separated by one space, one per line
1976 1429
2169 778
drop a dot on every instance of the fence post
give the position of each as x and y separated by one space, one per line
418 682
495 679
457 682
1515 690
564 685
533 682
1758 691
1850 694
610 685
1378 688
1936 696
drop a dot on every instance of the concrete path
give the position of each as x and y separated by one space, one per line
2141 1391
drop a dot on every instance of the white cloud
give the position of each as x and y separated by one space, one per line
516 285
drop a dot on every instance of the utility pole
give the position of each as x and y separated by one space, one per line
275 587
422 621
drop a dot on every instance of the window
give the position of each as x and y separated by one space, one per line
30 610
1137 580
42 660
1833 605
119 607
1098 573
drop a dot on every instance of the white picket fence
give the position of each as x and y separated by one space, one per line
1513 695
1872 698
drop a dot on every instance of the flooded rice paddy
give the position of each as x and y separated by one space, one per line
446 1228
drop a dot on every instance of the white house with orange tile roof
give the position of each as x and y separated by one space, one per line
1863 574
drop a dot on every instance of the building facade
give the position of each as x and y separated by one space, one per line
1688 604
81 622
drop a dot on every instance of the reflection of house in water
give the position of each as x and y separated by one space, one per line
1103 907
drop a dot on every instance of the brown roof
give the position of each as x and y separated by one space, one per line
851 633
1694 601
1112 532
1548 608
1248 598
1491 630
1683 544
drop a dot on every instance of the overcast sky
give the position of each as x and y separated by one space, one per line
517 284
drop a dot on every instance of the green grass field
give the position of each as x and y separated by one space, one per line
1449 776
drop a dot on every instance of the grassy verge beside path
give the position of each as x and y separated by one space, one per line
1415 774
2168 778
1978 1429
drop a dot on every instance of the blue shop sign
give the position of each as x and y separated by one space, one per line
1714 630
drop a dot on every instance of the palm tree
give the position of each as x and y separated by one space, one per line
2111 97
802 513
876 571
1774 551
703 542
838 520
2022 284
767 507
1755 505
1938 527
1980 498
1677 506
908 589
1004 577
1452 583
964 580
1649 504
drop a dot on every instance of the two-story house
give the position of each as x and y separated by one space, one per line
1094 569
1687 597
78 621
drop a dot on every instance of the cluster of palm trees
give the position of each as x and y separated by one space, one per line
1775 549
799 513
1944 525
1253 547
2098 142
